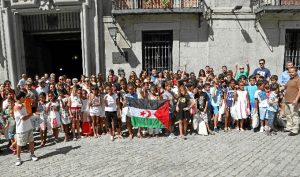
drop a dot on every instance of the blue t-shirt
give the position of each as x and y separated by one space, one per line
230 97
215 100
263 72
251 92
130 96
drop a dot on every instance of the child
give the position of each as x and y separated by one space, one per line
53 109
229 102
251 89
41 111
86 127
261 103
272 109
24 132
64 112
74 104
202 106
130 95
216 101
10 125
242 109
182 109
94 104
153 95
169 95
111 103
102 111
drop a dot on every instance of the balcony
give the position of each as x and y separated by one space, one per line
42 3
276 6
123 7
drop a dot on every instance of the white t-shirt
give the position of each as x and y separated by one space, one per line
22 125
4 104
111 102
261 95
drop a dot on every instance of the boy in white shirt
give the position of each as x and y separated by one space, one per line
24 129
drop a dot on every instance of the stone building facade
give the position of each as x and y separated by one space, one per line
91 36
208 32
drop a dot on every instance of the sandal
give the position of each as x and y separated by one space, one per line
131 136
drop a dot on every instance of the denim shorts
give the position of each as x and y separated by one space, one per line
263 113
216 109
11 135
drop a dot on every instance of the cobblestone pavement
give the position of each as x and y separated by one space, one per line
225 154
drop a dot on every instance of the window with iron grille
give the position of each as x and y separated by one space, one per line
292 47
157 50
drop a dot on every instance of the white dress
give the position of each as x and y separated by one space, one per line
65 119
241 105
95 110
54 116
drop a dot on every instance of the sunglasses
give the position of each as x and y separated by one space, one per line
261 63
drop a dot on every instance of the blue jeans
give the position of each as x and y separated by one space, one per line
271 117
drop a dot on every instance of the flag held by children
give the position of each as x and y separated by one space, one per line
149 113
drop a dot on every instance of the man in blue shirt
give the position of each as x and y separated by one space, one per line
265 72
285 76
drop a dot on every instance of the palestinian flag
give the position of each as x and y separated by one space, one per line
149 113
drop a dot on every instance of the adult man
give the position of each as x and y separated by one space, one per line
265 72
224 71
292 102
42 87
22 82
241 72
285 76
33 94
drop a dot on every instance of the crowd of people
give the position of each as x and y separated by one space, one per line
92 106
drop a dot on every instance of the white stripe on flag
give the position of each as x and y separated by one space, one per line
143 113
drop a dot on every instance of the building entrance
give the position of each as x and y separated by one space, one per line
52 44
53 53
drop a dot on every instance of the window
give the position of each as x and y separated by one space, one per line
157 50
292 47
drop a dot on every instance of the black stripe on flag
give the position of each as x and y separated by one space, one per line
146 104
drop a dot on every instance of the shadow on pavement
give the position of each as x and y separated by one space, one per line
59 151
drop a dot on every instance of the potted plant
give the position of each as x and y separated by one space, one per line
165 3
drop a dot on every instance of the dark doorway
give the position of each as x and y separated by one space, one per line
157 50
58 53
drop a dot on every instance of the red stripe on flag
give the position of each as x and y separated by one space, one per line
162 114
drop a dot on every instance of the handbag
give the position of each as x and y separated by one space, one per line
202 130
196 121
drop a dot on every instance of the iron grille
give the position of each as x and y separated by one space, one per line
157 50
292 47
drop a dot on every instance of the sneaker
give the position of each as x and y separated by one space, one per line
261 129
18 162
216 130
237 128
225 129
34 158
112 138
172 136
242 130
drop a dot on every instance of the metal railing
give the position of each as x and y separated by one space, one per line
155 4
260 3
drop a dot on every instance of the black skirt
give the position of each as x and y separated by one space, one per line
183 115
